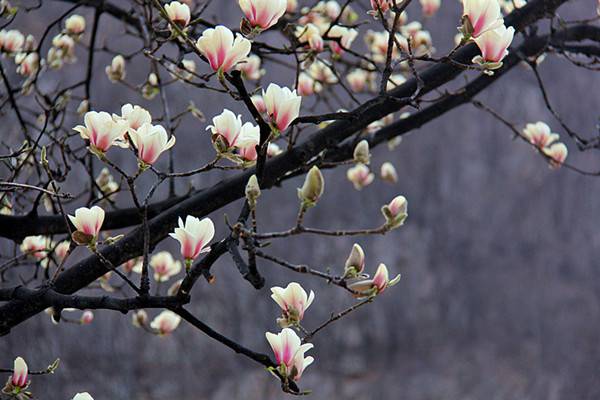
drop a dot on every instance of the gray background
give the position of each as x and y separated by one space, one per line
499 297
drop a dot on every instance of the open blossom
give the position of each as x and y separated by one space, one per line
11 41
380 5
378 44
289 353
193 236
116 70
395 212
61 249
307 85
360 176
222 51
429 7
376 285
481 16
164 266
75 24
359 80
135 116
355 263
35 246
165 322
388 172
293 301
151 141
28 64
322 72
88 220
251 68
312 35
557 152
282 104
102 131
179 13
263 14
83 396
259 103
230 134
139 318
539 134
493 45
87 317
20 373
343 38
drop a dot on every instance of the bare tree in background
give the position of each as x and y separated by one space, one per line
373 96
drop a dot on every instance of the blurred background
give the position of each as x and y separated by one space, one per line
499 297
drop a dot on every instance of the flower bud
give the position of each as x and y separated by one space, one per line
388 172
116 70
83 396
139 318
395 212
252 191
20 373
87 317
313 187
361 152
355 264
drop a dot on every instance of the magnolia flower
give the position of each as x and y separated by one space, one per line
345 37
139 318
429 7
539 134
330 9
378 44
251 68
293 302
355 263
35 246
88 221
259 103
20 373
360 176
358 79
282 104
221 50
116 70
107 184
87 317
165 322
493 45
375 286
179 13
307 85
193 236
289 353
186 71
28 64
291 6
135 116
388 172
11 41
322 72
312 35
229 134
164 266
480 16
252 191
102 131
174 288
61 249
313 187
361 152
65 46
151 141
380 5
83 396
75 24
395 212
558 154
263 14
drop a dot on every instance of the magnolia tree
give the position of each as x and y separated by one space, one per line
371 69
